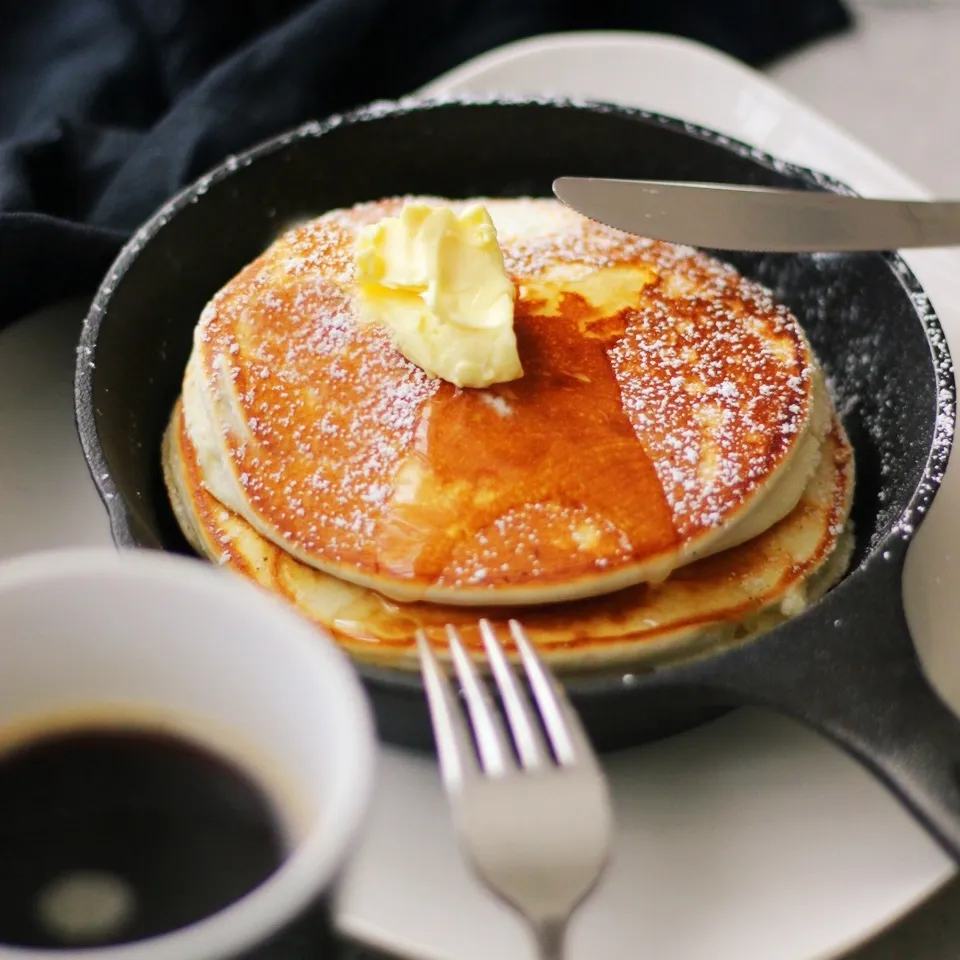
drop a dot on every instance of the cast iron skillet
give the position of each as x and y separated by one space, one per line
846 667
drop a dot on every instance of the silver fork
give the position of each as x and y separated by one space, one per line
535 820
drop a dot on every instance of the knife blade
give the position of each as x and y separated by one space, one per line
725 217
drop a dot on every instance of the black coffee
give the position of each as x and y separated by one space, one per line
110 836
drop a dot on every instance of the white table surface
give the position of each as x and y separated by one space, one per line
894 83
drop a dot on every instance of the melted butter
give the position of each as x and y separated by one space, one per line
551 460
603 293
435 280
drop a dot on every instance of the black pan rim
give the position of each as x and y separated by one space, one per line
892 548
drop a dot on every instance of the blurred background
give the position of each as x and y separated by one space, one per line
893 81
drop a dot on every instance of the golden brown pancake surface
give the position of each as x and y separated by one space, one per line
663 396
718 599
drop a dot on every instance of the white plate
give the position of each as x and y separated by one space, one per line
748 838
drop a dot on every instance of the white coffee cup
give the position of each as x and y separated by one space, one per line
197 651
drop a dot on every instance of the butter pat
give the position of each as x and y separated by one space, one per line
436 280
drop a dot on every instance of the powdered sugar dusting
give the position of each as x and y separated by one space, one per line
880 383
716 378
330 405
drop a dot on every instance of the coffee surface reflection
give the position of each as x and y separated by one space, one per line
113 835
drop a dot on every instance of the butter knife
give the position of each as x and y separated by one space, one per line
724 217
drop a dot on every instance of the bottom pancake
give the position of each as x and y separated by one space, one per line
721 599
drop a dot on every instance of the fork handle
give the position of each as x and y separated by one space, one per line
550 936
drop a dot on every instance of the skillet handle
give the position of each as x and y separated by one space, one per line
857 680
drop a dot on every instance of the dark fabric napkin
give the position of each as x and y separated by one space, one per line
107 107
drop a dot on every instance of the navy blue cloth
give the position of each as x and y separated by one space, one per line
107 107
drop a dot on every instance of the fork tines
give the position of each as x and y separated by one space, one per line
498 753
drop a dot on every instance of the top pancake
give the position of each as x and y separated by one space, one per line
669 409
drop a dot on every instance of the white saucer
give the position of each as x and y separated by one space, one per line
748 838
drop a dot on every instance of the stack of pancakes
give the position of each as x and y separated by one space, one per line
669 471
